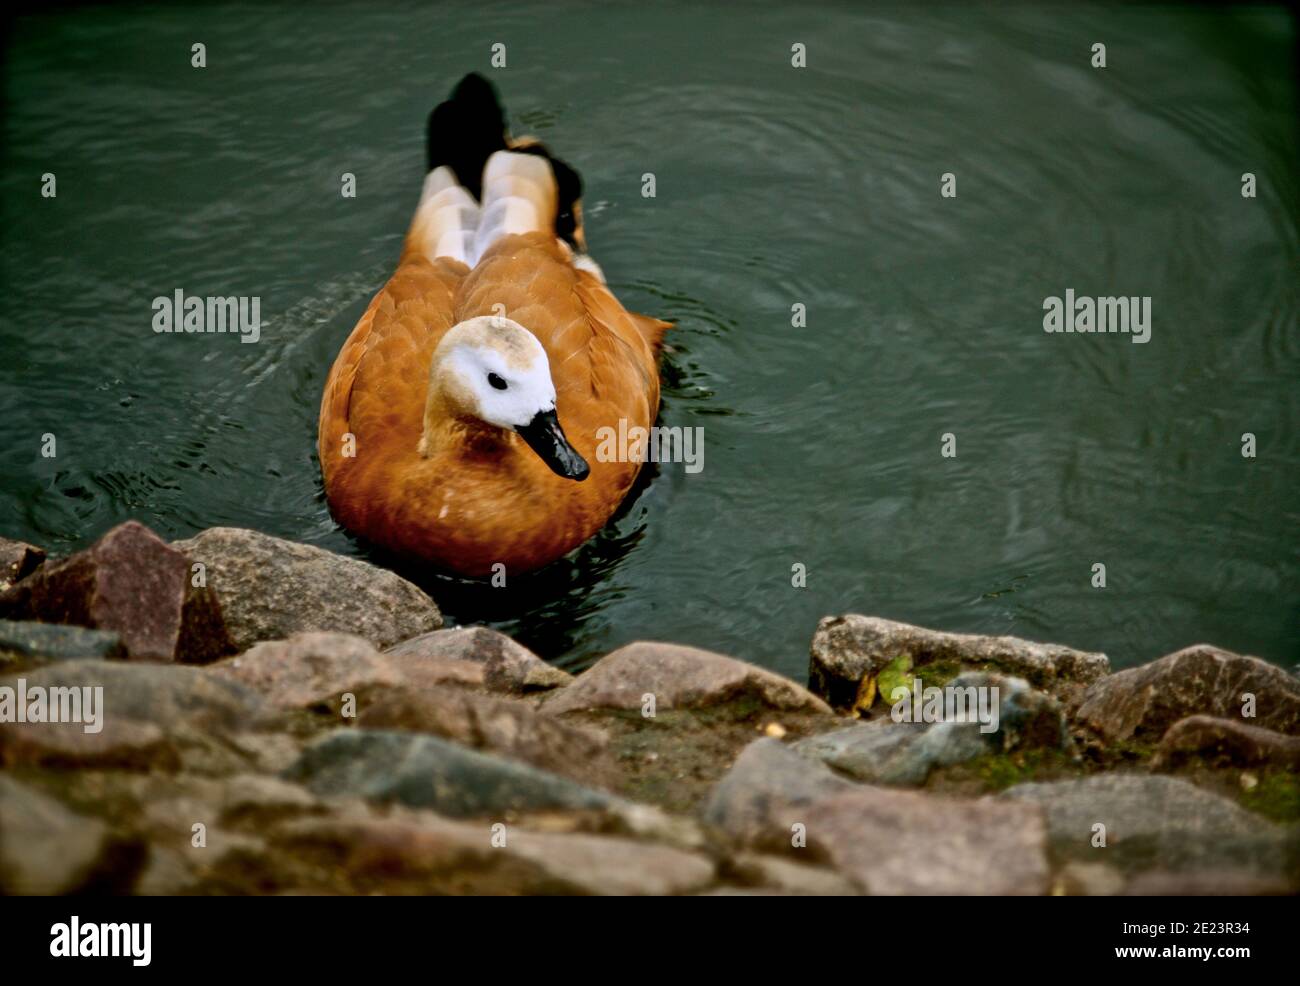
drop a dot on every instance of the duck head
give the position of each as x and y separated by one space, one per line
491 371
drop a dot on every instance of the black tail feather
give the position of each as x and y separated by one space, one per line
470 126
465 131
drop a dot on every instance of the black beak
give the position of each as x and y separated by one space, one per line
545 437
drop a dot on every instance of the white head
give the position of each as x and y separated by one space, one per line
494 370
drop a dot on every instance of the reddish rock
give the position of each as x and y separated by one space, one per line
18 559
120 744
1144 702
132 583
310 670
1226 742
679 678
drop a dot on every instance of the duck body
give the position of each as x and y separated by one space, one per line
437 405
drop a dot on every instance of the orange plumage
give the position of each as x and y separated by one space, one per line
482 496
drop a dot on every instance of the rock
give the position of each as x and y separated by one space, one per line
166 695
845 648
310 670
1226 743
904 753
44 847
1088 880
425 853
1144 702
783 876
679 678
596 864
129 582
1153 822
1224 883
507 728
892 842
426 772
271 589
121 744
507 666
56 642
18 559
766 778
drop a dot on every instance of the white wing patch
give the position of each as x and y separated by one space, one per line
519 196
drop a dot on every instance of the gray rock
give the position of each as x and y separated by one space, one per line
775 873
426 772
1144 702
845 648
507 666
679 678
766 778
271 589
166 695
892 842
505 727
1154 822
57 642
44 847
904 753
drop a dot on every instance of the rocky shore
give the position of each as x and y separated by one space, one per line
278 719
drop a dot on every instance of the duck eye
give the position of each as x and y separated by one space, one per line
496 381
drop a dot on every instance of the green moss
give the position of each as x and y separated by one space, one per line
999 771
1276 796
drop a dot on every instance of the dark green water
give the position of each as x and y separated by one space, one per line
775 186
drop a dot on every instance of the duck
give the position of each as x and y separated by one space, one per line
459 422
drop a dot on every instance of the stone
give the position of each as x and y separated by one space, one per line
45 849
507 665
271 589
766 778
310 670
132 583
1221 883
53 641
166 695
845 648
507 728
1143 702
903 753
427 772
781 875
18 559
611 866
426 853
1154 822
893 842
1226 743
679 678
1088 880
121 744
